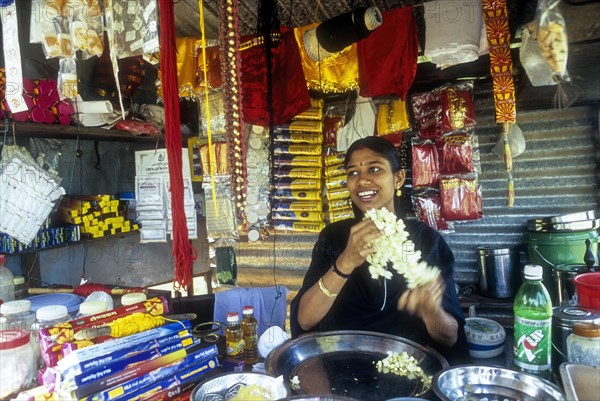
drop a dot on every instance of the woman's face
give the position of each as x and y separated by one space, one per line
371 181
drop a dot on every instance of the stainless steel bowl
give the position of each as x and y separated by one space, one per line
226 386
474 383
343 363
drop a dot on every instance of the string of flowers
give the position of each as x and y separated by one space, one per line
395 247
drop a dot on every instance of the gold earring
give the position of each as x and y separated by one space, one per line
398 192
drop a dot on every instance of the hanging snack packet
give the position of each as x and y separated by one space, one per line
331 125
428 208
456 153
427 111
135 27
425 165
392 117
226 262
67 79
86 28
458 110
461 198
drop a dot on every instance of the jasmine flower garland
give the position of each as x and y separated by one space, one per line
395 247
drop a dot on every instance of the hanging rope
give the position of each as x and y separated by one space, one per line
183 251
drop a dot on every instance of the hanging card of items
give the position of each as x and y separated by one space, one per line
135 27
338 197
153 203
445 157
297 201
258 183
28 194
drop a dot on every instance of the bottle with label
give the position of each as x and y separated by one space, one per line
7 286
234 337
250 330
583 345
533 325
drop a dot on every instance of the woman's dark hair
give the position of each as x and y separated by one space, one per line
386 149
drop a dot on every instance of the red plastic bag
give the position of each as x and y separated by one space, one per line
461 198
425 166
456 153
428 208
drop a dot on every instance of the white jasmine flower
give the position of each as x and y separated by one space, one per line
395 247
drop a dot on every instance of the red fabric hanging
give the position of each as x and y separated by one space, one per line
182 249
290 93
387 59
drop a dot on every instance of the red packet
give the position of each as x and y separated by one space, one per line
331 126
456 153
461 199
425 166
428 208
427 111
458 110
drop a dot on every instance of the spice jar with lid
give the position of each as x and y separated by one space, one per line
21 290
583 345
47 316
16 315
16 356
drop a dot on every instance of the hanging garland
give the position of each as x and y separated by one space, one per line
231 65
183 251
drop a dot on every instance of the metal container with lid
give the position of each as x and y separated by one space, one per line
499 272
563 318
565 292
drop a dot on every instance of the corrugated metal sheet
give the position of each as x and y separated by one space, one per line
557 174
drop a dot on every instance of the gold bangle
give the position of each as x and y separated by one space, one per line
325 291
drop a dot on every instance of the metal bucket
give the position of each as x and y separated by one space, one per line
564 289
499 275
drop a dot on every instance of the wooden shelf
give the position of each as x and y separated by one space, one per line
70 132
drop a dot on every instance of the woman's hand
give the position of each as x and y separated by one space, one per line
358 248
423 301
426 303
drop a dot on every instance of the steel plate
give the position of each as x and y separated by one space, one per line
477 383
226 386
343 363
582 225
572 217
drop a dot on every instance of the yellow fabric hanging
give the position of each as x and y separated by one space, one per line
338 73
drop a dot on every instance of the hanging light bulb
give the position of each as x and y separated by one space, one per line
339 32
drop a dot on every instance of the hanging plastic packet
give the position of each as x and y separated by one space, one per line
56 38
226 262
67 79
86 27
136 27
455 152
461 198
331 125
425 164
221 221
217 114
392 117
428 208
458 110
427 112
516 141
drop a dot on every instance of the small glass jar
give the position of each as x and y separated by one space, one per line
47 316
21 290
16 315
17 368
583 345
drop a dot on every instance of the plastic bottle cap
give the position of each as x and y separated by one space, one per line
92 307
255 142
133 298
258 129
247 309
19 280
233 317
252 217
51 312
586 329
253 235
10 339
14 307
533 272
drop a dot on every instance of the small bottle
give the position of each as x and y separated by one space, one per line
234 337
47 316
21 290
583 345
533 325
7 286
250 330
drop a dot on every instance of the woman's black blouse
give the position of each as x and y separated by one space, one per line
367 304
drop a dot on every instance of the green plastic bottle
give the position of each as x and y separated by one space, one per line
533 325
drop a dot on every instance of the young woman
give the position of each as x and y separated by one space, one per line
338 292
